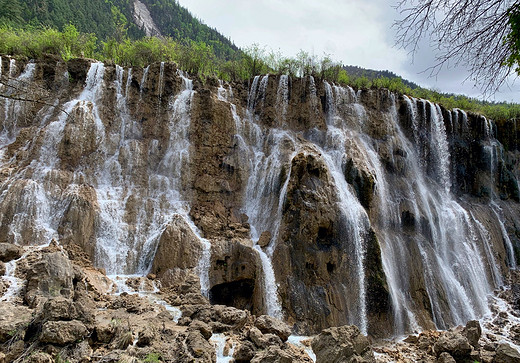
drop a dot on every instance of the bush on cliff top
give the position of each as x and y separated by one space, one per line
197 57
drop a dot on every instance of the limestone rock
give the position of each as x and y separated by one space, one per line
454 343
506 354
244 352
202 327
40 357
472 332
77 225
51 276
274 354
178 247
268 324
80 352
13 320
236 279
220 318
59 308
180 281
104 332
311 260
63 332
445 357
146 336
264 239
200 347
9 252
343 344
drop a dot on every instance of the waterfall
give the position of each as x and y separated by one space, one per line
267 152
129 177
450 279
161 80
143 81
505 236
439 145
282 97
355 219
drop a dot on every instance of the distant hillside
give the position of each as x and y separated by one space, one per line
115 19
371 74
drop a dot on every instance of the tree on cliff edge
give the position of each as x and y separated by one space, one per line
482 35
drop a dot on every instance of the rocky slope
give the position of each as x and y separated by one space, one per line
293 198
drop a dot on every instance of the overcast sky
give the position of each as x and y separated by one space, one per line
354 32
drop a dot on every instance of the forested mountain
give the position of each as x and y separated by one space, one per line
113 19
371 74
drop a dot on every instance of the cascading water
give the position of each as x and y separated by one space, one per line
139 184
125 240
282 96
354 218
263 193
456 287
267 151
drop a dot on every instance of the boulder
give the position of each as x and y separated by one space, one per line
179 247
81 352
264 239
268 324
2 268
104 332
39 357
342 344
219 317
9 252
472 332
506 354
199 347
244 352
273 354
146 336
63 332
453 343
263 341
51 276
77 226
13 320
59 308
445 357
202 327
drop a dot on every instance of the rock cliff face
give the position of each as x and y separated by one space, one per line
289 197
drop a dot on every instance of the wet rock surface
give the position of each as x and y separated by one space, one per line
87 325
170 161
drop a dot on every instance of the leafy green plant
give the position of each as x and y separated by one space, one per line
152 358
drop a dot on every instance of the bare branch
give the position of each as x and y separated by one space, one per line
469 33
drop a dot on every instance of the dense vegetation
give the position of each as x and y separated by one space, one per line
198 57
113 20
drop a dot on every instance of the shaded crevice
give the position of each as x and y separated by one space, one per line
238 294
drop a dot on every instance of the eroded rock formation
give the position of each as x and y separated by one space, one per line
293 197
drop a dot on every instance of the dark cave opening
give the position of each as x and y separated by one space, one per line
238 294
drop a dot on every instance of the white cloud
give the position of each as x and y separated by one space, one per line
356 32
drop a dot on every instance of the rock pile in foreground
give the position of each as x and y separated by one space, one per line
67 311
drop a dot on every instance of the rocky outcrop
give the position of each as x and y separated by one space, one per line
237 276
314 256
91 326
178 247
342 344
368 204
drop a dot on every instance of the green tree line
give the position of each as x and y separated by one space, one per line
200 58
113 19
